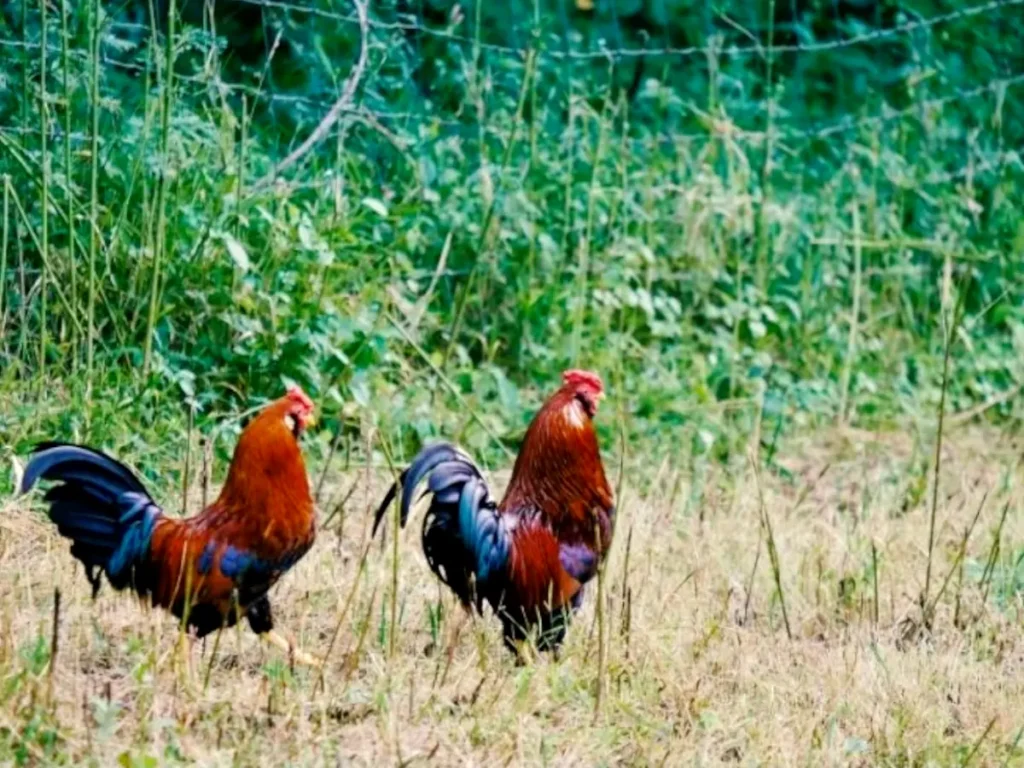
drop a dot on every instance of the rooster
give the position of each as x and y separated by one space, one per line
207 570
530 555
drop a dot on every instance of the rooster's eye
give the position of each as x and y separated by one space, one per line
292 423
587 403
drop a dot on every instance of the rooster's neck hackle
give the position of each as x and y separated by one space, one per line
559 465
267 464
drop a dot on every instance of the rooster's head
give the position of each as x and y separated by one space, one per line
586 387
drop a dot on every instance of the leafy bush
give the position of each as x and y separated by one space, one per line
776 234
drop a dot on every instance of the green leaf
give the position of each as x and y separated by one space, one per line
376 206
306 234
237 252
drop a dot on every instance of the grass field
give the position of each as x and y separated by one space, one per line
757 221
699 667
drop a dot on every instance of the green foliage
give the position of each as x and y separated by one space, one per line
35 734
1004 578
734 238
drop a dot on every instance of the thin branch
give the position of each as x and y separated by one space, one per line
959 419
348 91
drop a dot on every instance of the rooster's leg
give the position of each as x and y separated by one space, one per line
291 649
261 619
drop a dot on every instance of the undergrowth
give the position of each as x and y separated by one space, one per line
728 257
805 218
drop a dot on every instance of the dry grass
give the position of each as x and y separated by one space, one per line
705 675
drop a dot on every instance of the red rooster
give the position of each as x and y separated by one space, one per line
530 555
209 569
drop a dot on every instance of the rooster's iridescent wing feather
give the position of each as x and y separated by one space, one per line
102 507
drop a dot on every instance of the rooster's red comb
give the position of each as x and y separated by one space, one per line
578 378
295 394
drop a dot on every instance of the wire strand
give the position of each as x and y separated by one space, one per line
758 50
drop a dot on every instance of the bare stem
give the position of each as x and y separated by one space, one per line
69 174
851 339
773 554
395 554
950 332
4 238
44 203
94 138
165 180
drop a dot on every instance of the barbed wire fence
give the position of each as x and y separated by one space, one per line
210 83
211 79
770 130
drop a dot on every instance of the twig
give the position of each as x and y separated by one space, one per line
773 553
54 643
347 93
950 333
978 743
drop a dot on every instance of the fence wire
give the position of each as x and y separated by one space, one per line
718 125
873 36
604 52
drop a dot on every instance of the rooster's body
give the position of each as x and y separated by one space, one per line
530 555
210 569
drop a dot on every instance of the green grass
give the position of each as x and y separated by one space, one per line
697 261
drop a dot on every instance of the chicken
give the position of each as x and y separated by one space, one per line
209 569
529 556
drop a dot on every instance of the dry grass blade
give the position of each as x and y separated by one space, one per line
54 644
344 611
327 463
977 745
961 553
773 553
951 325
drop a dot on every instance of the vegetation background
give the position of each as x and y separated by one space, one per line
758 221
